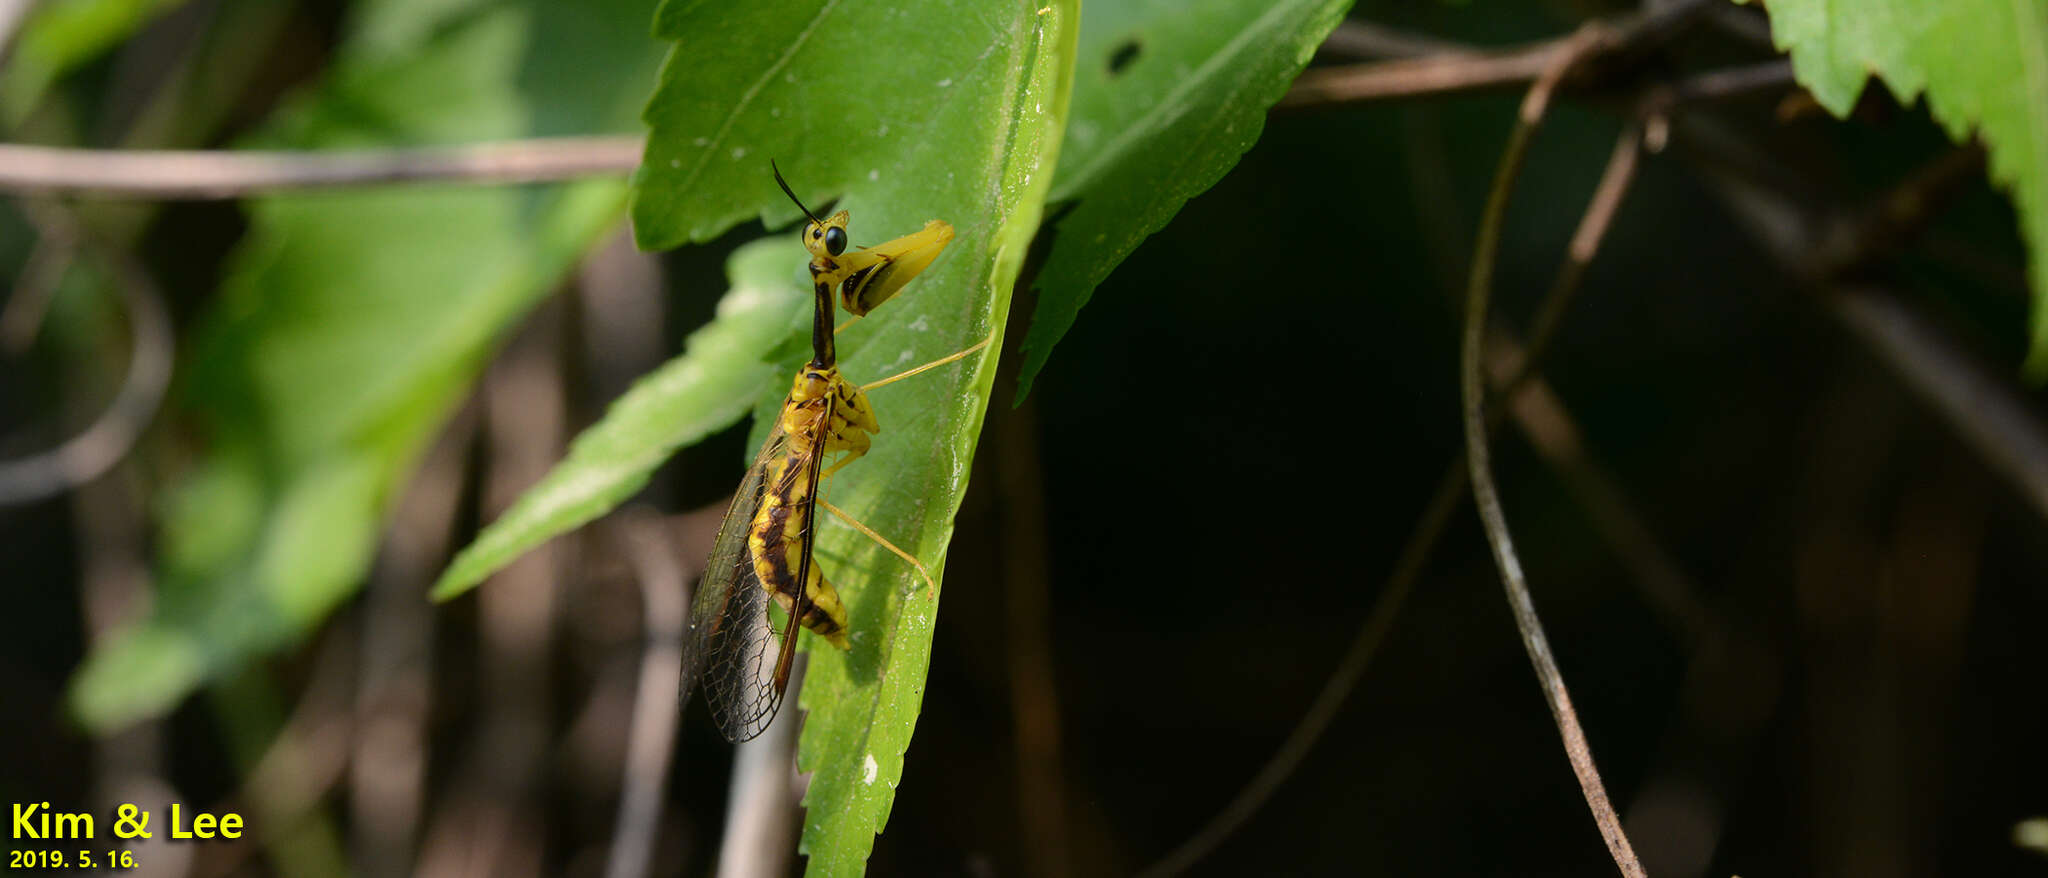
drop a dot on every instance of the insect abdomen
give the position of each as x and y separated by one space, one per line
784 515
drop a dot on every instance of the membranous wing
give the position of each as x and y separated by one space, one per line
732 648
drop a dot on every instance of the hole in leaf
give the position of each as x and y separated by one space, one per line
1122 56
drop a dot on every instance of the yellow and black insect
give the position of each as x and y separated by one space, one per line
764 545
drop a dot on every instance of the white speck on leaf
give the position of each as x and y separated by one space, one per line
874 175
882 131
701 141
868 768
775 111
675 163
739 152
919 325
948 81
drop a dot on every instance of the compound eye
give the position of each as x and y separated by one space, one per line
835 240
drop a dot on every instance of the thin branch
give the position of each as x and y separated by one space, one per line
1614 183
299 763
496 801
395 679
1024 579
1453 68
1365 645
761 811
21 319
1364 40
1730 82
204 175
1990 415
1592 228
1437 74
85 456
1985 411
1748 24
1889 225
1542 416
308 756
1487 495
665 600
1556 436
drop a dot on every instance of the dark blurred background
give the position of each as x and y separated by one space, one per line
1792 604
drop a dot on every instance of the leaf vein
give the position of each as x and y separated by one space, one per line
747 97
1144 124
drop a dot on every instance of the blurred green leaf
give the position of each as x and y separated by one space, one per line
353 323
712 384
58 36
1983 65
1167 96
910 111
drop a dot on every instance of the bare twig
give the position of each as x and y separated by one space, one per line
85 456
171 174
1452 68
1364 645
288 769
665 599
1848 248
114 591
1359 39
1542 416
1487 496
1748 24
394 696
497 806
1443 73
308 755
1984 409
1987 412
621 312
1022 575
761 810
202 175
1729 82
1592 229
21 319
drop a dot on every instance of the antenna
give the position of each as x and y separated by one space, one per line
792 195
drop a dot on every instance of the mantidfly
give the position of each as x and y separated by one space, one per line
764 544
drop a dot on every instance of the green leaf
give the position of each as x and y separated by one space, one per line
58 36
352 323
1983 65
712 384
911 111
1167 96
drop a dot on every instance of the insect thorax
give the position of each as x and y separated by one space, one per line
852 419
